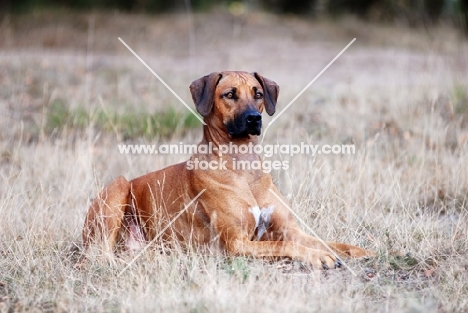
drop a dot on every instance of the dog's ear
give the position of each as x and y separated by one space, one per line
203 90
271 90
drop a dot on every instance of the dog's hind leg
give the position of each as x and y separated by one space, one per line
135 236
105 215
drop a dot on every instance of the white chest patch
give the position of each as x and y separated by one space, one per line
262 219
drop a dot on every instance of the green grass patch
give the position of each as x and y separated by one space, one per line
129 125
238 267
460 98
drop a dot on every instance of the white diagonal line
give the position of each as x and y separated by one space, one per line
311 230
308 85
162 81
160 233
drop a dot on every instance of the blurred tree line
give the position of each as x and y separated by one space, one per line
412 11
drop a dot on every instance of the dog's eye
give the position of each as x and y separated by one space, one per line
229 95
258 95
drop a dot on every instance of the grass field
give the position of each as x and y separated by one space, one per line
70 92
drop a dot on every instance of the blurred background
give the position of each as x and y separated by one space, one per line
409 11
63 67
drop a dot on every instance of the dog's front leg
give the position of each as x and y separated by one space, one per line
319 259
285 227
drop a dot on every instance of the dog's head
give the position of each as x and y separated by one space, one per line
235 100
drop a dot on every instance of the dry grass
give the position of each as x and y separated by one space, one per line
400 95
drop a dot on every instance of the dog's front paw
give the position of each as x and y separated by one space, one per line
324 260
345 250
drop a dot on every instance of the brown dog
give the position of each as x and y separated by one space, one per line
237 207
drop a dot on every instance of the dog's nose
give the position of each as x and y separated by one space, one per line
253 118
247 123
